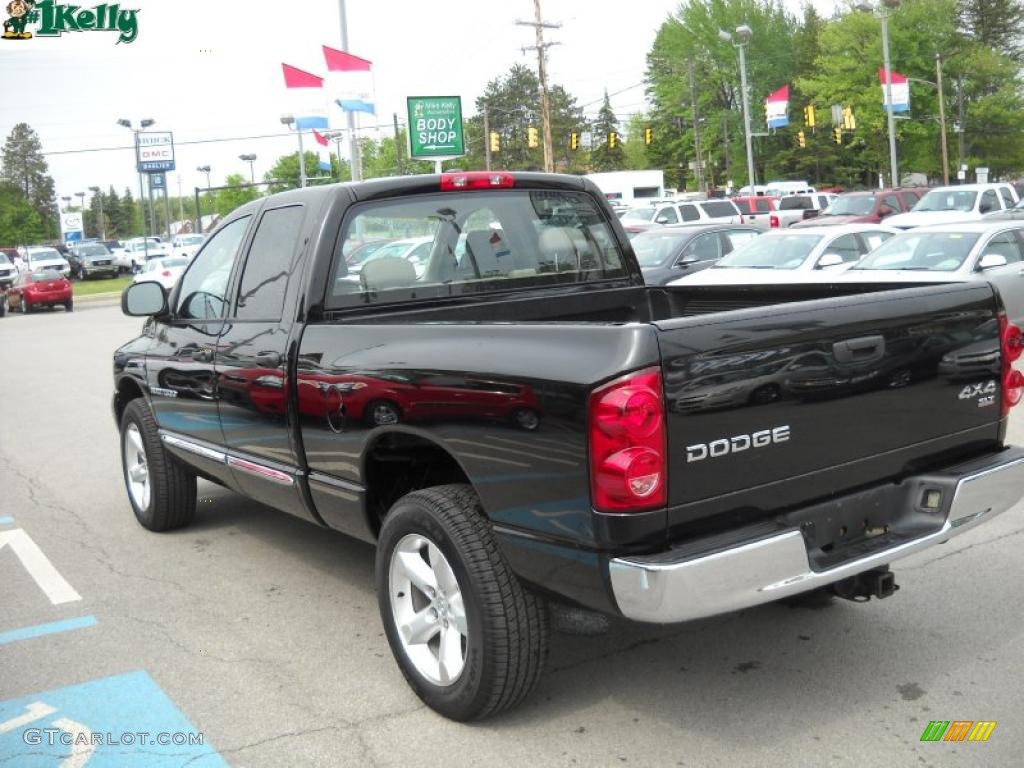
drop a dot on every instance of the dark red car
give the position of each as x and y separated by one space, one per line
40 289
869 207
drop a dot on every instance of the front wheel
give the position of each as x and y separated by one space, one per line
3 305
69 305
526 418
23 306
382 413
162 491
468 637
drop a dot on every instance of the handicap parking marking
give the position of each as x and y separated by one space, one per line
38 566
52 628
107 723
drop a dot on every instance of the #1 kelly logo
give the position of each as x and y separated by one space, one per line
55 19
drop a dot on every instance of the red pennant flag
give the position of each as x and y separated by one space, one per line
339 61
320 138
298 78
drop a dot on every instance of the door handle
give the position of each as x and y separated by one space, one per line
268 359
866 349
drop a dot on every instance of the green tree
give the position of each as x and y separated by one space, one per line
997 24
20 224
607 153
285 172
24 166
234 194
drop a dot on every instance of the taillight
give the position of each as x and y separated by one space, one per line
476 180
773 221
1011 346
627 444
166 273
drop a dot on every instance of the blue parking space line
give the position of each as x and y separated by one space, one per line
6 520
111 722
27 633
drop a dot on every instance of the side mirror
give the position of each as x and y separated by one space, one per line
144 299
830 260
661 220
686 261
990 260
884 210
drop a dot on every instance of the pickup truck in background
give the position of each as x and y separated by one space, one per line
797 208
757 211
521 426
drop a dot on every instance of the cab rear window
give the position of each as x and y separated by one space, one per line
453 243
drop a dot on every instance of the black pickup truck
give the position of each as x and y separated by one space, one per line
468 371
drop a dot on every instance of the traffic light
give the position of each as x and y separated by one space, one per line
531 137
613 139
801 139
495 141
574 141
648 135
849 121
837 133
809 115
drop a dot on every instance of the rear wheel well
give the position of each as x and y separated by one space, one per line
399 463
127 390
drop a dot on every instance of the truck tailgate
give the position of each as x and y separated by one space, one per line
778 406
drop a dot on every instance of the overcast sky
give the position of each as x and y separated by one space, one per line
211 69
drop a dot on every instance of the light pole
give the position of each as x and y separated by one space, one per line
338 137
101 230
867 7
289 120
143 124
743 34
350 124
199 214
250 159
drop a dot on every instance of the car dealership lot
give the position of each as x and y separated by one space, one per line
261 632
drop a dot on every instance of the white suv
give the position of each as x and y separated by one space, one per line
710 212
37 258
135 252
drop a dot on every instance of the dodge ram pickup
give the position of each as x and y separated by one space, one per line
520 425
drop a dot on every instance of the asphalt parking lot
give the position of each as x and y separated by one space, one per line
261 632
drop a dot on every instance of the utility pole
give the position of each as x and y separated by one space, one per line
942 119
353 145
541 47
698 166
960 124
487 140
398 146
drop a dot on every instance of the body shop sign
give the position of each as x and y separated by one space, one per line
435 126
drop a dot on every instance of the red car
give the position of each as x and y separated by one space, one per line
40 289
870 206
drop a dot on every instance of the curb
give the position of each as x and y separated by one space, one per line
99 298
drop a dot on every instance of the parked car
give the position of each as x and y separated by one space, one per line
186 246
415 250
39 257
721 211
613 502
757 211
363 252
91 260
784 256
796 208
165 271
644 217
865 207
1010 214
8 271
667 253
963 252
137 251
948 205
41 288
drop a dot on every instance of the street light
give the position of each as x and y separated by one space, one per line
102 228
867 7
67 201
143 124
289 120
250 159
205 169
337 136
743 34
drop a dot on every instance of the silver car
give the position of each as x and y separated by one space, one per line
990 251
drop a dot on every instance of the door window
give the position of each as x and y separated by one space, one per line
734 238
265 276
893 202
872 240
1004 244
989 202
202 294
689 212
703 248
669 215
846 246
1007 197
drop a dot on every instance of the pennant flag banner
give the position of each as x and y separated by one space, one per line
323 158
350 81
776 107
305 97
900 86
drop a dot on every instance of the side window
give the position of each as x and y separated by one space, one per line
669 214
989 201
265 276
703 248
763 205
734 238
202 294
872 240
1006 245
846 246
689 212
1007 197
893 202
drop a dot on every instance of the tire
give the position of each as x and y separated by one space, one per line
505 643
382 413
526 418
69 305
170 500
23 306
766 393
3 305
83 274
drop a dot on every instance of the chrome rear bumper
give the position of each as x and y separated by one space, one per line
659 590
